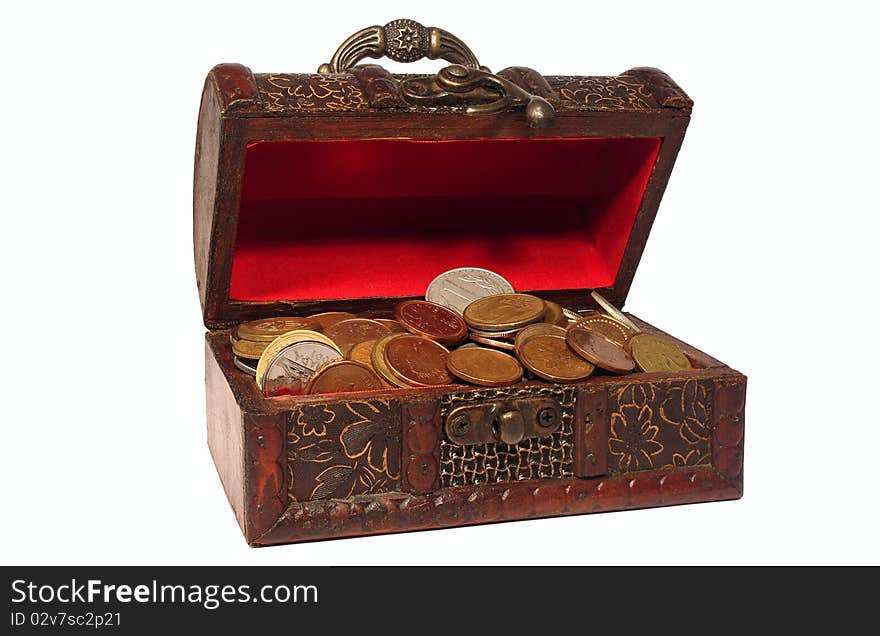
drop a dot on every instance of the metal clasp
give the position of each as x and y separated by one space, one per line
503 421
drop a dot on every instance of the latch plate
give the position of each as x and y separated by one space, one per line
503 421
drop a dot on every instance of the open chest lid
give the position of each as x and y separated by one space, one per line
352 188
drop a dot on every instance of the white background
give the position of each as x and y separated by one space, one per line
763 254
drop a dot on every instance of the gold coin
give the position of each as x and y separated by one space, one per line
654 353
284 340
343 376
249 349
267 329
608 327
361 352
377 358
554 314
484 367
551 358
504 311
614 312
537 329
330 318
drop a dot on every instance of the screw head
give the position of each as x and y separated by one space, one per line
547 417
460 425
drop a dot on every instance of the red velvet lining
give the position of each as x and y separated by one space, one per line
382 217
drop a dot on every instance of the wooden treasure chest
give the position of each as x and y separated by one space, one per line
350 190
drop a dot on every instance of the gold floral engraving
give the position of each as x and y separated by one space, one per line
660 425
310 92
341 449
621 92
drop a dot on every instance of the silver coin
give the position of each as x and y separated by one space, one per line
243 364
291 368
458 288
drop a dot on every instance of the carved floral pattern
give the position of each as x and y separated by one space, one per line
621 92
281 93
310 92
660 425
341 449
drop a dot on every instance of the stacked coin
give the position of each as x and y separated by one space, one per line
511 335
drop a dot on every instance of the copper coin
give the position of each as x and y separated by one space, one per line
393 325
599 350
267 329
343 376
377 358
551 358
417 361
554 314
347 333
539 328
485 367
610 328
493 342
655 353
504 311
249 349
431 321
329 318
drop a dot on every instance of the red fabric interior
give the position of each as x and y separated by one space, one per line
383 217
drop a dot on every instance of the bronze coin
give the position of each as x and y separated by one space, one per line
329 318
393 325
551 358
493 342
610 328
267 329
485 367
249 349
377 358
504 311
432 321
343 376
417 361
539 328
599 350
554 314
655 353
347 333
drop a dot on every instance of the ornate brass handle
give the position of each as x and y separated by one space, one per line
481 92
402 41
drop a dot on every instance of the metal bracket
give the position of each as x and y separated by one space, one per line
503 421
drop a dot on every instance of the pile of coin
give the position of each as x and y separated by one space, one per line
472 327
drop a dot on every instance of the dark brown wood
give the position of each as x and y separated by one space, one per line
402 512
591 433
729 420
421 446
